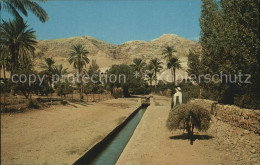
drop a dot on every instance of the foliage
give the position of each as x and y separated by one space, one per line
187 117
64 102
189 91
78 56
93 68
94 85
22 85
155 65
138 65
33 104
59 70
162 87
194 64
14 7
48 68
126 73
63 88
230 44
18 41
130 83
168 51
173 64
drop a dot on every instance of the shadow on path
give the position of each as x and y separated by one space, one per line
194 137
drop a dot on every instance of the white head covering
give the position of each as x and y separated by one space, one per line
178 89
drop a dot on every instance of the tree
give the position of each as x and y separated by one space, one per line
194 63
173 64
150 74
230 44
49 70
93 70
138 65
155 65
241 47
59 70
16 6
188 117
63 88
24 86
126 79
78 56
3 61
17 40
194 68
168 51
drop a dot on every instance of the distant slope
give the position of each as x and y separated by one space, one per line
107 54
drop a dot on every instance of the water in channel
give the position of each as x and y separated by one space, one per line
110 154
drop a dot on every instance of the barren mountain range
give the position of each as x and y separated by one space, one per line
107 54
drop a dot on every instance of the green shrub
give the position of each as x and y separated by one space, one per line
64 102
247 101
189 91
33 104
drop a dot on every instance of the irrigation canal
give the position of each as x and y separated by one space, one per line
109 150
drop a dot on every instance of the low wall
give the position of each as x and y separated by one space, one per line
243 118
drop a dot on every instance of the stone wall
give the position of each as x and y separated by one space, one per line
243 118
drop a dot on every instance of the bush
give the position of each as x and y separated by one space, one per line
247 101
33 104
64 102
189 91
188 117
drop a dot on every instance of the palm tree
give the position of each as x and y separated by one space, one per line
48 66
149 74
49 70
18 41
168 51
173 64
138 65
155 65
16 6
3 61
62 85
78 57
59 70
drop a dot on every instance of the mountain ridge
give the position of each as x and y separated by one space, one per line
107 54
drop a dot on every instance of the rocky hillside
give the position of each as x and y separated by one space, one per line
107 54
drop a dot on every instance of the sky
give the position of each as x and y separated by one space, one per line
117 21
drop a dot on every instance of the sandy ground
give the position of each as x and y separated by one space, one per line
153 144
59 134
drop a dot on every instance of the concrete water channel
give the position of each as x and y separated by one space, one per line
110 148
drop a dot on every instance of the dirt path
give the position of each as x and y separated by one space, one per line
152 143
59 134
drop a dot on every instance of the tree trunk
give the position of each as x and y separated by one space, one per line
155 78
172 88
174 77
1 90
80 93
4 72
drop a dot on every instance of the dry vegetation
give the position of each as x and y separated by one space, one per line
187 117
